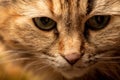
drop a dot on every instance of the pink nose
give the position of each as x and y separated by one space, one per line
72 58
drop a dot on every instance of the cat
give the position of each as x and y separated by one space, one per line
62 39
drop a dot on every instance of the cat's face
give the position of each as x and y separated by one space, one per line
71 37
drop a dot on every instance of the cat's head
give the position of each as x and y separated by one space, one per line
69 36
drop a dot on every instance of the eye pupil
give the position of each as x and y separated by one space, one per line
44 20
99 19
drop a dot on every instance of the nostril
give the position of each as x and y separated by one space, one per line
72 58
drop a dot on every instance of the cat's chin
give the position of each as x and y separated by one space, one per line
73 72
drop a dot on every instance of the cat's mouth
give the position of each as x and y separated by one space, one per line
72 71
75 71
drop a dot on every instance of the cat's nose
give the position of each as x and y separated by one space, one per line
72 58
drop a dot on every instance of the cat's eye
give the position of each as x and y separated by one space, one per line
44 23
97 22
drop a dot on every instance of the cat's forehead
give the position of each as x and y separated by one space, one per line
56 7
61 7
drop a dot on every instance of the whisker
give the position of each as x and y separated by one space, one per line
107 58
9 55
35 64
42 69
29 65
111 57
113 62
12 60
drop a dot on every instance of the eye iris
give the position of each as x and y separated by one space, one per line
97 22
44 23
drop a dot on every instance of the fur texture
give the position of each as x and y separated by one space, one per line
40 51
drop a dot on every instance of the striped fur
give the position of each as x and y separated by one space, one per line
40 51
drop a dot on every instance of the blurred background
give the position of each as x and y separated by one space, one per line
8 71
